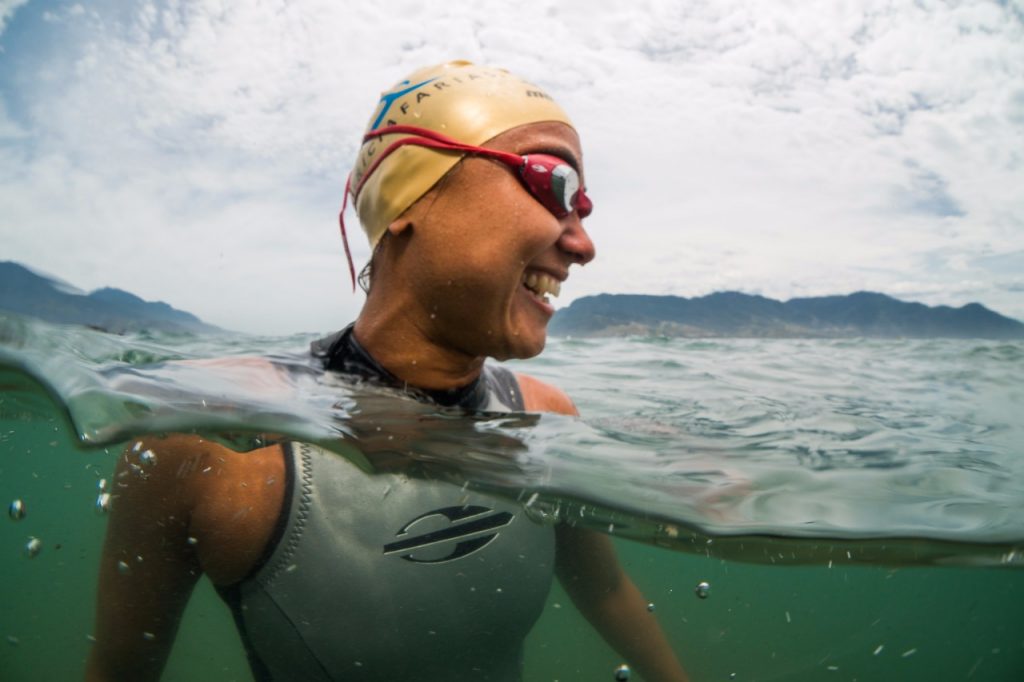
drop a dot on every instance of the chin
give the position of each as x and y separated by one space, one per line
523 346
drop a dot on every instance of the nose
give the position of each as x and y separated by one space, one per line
574 240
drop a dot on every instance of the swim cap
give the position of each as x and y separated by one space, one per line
469 103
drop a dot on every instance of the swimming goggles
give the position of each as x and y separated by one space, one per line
549 179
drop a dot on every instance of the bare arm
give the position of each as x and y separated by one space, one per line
590 572
199 508
148 568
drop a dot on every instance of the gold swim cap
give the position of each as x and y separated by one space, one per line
469 103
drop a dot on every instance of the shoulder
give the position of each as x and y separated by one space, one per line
539 396
229 501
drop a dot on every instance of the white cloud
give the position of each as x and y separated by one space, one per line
195 152
7 10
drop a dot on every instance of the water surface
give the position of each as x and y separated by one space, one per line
857 506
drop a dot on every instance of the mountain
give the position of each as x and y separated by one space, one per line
27 293
734 314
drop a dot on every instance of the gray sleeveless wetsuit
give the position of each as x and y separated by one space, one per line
390 578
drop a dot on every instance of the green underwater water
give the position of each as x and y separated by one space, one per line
759 621
857 507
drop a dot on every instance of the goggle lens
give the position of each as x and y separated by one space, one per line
555 184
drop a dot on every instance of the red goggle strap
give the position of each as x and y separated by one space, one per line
425 137
344 237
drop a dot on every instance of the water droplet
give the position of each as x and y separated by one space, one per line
650 606
788 619
101 485
103 503
123 568
192 541
148 636
908 653
878 649
147 458
703 589
137 446
16 511
33 547
622 673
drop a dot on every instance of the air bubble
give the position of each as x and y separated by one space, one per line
101 485
33 547
123 568
650 607
147 458
102 503
623 673
16 511
703 589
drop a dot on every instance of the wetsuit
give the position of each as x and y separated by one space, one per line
391 578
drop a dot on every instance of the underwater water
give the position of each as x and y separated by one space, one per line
854 507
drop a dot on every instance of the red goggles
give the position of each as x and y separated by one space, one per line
549 179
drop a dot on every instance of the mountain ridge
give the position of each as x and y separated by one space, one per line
26 292
732 313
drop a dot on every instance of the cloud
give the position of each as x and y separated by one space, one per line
790 150
7 10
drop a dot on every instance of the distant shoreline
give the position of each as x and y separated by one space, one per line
736 315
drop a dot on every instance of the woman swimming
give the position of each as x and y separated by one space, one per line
469 184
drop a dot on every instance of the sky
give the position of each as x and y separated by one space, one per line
196 152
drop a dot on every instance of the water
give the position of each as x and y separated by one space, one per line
855 507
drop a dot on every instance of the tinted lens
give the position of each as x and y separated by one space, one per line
553 182
565 183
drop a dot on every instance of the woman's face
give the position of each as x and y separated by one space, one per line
483 253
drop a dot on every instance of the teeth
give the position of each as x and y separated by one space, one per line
542 284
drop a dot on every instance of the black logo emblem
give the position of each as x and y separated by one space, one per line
478 529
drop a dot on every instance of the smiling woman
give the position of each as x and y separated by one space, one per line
336 574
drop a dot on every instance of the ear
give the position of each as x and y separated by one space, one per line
399 225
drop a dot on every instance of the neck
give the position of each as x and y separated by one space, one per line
397 336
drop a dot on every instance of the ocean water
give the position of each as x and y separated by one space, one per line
856 507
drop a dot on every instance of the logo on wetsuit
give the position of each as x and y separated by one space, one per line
479 527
